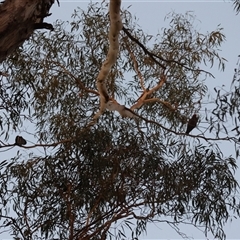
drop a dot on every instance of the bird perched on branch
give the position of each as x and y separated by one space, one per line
20 141
192 123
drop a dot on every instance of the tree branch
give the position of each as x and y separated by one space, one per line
115 28
127 112
154 57
143 47
167 104
135 63
18 19
142 99
78 81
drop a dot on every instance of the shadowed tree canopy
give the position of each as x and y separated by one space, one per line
127 161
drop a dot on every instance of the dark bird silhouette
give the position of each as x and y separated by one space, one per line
192 123
19 140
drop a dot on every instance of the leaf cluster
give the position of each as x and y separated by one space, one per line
119 169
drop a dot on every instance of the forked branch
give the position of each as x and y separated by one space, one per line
115 28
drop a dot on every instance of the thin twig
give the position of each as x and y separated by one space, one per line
78 81
136 68
153 56
143 47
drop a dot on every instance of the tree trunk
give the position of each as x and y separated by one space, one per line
18 20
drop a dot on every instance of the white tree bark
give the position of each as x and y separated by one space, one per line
105 101
115 28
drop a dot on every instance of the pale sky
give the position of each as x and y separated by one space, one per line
151 18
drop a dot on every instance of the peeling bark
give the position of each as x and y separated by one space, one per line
18 19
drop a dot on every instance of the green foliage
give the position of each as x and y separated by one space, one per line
119 169
13 101
227 108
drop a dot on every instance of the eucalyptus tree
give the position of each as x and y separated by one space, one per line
110 105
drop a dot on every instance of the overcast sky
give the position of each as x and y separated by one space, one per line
151 17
